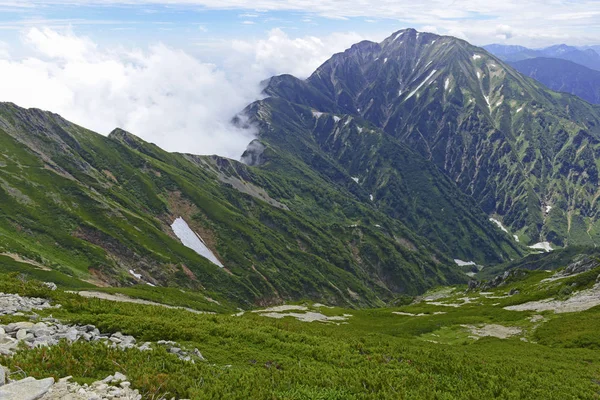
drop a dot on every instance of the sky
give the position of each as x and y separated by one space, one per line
175 72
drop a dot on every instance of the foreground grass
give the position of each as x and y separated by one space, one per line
377 355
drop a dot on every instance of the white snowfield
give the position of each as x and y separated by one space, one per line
132 272
499 224
542 246
421 84
462 263
193 241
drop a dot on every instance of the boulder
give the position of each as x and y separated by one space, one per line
26 389
2 376
21 334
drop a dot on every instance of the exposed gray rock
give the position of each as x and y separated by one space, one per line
583 265
49 331
2 376
21 334
11 304
26 389
99 390
50 285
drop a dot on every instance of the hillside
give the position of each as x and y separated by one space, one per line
527 155
106 210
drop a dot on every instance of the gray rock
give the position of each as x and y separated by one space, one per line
26 389
119 377
21 334
199 355
2 376
72 334
50 285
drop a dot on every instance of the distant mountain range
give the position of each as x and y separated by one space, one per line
587 57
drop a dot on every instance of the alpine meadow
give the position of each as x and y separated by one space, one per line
413 217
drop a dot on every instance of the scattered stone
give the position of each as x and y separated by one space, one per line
11 304
99 390
2 376
499 331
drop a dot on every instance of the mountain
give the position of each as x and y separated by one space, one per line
563 76
511 52
527 155
587 57
120 211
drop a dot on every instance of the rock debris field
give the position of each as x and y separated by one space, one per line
41 332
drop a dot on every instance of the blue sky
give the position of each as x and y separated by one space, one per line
533 22
175 71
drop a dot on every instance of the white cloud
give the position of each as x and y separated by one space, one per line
279 53
161 94
533 22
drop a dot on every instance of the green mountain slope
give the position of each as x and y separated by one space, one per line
527 155
100 209
380 170
563 76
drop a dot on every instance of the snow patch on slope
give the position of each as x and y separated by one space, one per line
499 224
132 272
542 246
476 56
421 84
193 241
462 263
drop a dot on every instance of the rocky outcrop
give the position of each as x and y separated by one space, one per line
50 331
11 304
499 280
583 265
115 387
26 389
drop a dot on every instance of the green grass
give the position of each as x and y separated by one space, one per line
376 355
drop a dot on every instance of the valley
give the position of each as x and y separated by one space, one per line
415 220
